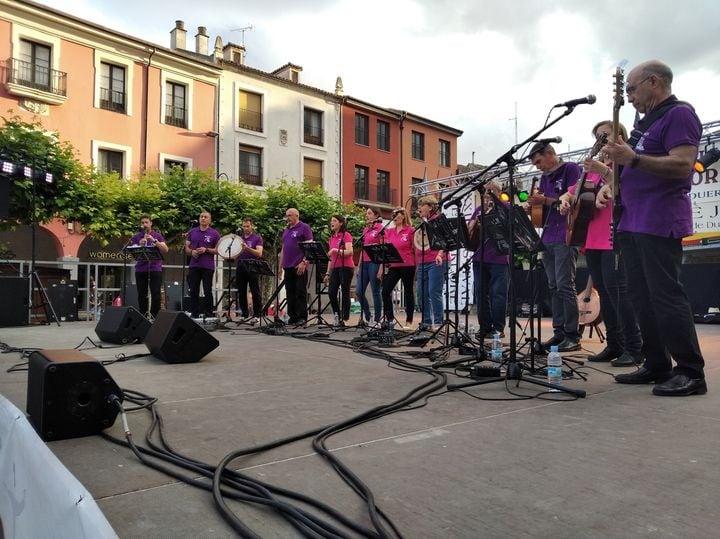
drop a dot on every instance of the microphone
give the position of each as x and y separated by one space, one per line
239 230
556 140
378 220
194 222
141 229
589 100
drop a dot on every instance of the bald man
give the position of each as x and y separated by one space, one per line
295 266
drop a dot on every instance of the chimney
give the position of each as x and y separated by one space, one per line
339 87
178 36
202 41
218 52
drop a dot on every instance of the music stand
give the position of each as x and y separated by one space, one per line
315 252
258 266
383 253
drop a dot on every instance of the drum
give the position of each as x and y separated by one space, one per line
229 246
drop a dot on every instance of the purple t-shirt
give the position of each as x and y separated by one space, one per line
292 255
655 205
203 238
370 236
554 184
253 240
490 253
144 266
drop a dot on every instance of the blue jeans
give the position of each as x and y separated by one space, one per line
491 295
367 274
559 261
430 291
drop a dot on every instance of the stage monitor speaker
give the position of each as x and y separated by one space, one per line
122 325
14 294
68 394
175 338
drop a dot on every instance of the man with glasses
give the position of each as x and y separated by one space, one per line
294 266
655 184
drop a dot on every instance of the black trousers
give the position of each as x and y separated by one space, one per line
340 279
296 294
195 277
245 279
148 280
664 313
406 274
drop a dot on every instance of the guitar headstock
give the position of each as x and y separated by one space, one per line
619 100
599 143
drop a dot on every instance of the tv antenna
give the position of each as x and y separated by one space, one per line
242 32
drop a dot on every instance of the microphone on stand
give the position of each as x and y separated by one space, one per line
589 100
556 140
194 222
141 229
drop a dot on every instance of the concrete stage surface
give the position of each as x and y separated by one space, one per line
474 463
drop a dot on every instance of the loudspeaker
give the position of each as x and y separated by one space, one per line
175 338
63 298
14 294
68 394
122 325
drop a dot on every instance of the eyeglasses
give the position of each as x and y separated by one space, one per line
631 89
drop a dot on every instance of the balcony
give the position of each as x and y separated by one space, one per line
250 119
112 100
35 81
313 136
377 193
251 176
175 116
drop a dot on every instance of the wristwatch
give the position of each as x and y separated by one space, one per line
635 161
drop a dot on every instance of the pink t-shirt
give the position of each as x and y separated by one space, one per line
371 237
338 241
430 254
403 241
598 235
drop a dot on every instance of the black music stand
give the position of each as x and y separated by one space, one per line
382 254
315 252
259 266
141 253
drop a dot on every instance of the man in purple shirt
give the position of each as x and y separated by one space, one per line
655 185
295 266
148 273
252 249
559 259
201 246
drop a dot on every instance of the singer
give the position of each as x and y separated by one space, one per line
340 269
559 259
294 266
148 273
432 265
402 237
201 246
252 249
367 270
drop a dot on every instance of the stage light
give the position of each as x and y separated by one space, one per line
27 172
522 196
707 159
504 197
47 177
7 167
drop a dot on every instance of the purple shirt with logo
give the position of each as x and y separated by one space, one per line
655 205
490 253
292 255
145 266
553 184
203 238
253 240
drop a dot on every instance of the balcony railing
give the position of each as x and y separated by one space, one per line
375 193
36 77
252 176
313 136
175 116
112 100
249 119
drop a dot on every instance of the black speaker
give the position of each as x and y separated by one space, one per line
63 298
68 394
175 338
14 294
122 325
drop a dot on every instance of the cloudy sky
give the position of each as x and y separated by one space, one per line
469 64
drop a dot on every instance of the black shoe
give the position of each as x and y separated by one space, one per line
569 345
606 355
627 359
552 342
681 385
643 376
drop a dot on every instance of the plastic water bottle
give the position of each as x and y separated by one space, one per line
554 367
496 350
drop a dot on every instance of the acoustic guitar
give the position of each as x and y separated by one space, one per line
588 302
536 212
583 207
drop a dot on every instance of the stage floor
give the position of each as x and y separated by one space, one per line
480 463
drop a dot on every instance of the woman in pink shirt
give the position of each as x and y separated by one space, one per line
401 236
341 268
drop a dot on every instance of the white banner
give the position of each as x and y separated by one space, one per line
464 285
705 197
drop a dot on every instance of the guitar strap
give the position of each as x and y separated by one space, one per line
643 124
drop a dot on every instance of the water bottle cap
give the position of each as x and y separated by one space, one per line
553 349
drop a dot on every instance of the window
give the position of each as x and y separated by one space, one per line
383 186
110 161
383 135
444 153
312 172
112 87
313 127
34 68
362 130
250 161
418 146
175 104
250 111
169 164
362 189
